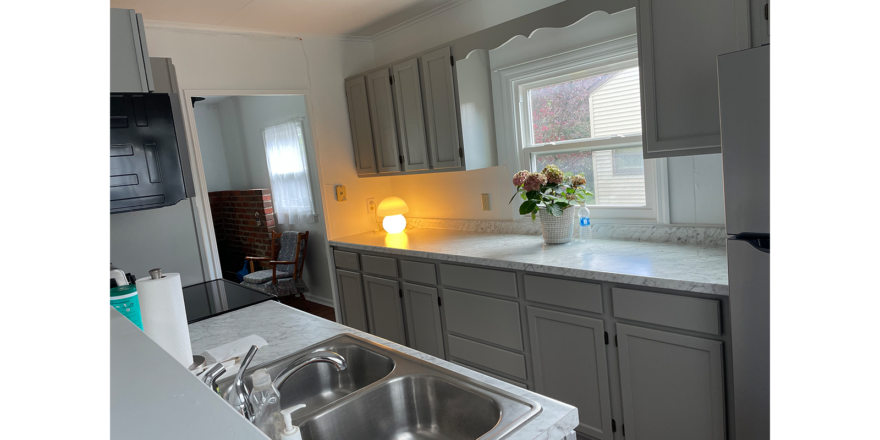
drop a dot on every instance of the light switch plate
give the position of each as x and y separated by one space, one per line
485 200
340 193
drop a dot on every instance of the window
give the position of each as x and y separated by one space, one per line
581 111
289 173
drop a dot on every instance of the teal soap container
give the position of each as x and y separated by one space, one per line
125 300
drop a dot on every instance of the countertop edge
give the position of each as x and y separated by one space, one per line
660 283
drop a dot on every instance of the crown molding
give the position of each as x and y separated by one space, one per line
213 29
421 17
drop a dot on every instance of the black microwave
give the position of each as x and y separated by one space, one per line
149 159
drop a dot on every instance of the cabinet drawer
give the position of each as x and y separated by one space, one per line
346 260
501 378
497 359
489 319
418 272
695 314
564 293
481 280
379 265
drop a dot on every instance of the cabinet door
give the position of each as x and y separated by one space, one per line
423 319
410 117
130 70
760 18
388 157
352 296
672 385
384 309
361 132
440 111
679 41
568 356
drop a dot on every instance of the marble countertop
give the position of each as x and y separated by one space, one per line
288 330
691 268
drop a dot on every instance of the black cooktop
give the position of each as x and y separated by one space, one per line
217 297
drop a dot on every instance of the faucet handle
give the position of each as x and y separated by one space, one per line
244 402
210 377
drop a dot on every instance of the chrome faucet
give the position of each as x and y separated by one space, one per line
210 377
242 394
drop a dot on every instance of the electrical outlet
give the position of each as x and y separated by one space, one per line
371 205
485 199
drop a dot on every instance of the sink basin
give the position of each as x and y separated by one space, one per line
320 384
386 394
411 407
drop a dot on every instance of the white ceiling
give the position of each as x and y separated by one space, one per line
336 17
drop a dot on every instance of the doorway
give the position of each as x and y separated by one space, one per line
261 175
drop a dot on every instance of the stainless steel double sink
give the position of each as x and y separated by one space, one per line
386 394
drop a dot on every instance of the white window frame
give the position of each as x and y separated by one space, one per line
514 124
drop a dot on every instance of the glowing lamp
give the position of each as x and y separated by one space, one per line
393 208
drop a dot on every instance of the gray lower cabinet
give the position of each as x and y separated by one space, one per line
568 356
352 295
672 385
423 319
384 309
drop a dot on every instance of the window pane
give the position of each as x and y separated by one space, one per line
615 177
562 112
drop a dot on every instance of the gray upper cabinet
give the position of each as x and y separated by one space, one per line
423 319
760 17
352 296
384 309
388 158
130 70
679 41
672 385
410 116
440 109
568 355
359 119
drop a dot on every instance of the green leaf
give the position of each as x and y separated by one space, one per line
523 195
533 216
533 195
569 190
527 207
555 209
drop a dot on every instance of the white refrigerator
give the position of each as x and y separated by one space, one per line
744 96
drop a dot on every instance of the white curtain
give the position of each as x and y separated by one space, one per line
289 173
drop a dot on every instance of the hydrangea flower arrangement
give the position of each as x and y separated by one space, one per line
550 188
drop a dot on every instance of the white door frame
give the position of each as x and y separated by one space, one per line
202 206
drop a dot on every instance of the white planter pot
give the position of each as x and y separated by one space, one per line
557 230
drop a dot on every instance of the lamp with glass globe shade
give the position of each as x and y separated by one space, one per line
393 208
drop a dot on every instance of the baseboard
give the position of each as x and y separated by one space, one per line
320 300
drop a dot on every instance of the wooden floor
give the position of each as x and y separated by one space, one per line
314 308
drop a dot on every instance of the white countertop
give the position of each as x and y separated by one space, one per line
152 396
691 268
288 330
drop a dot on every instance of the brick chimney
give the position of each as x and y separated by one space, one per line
243 224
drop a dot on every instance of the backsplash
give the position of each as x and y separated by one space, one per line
692 235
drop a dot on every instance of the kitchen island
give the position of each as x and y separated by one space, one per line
288 330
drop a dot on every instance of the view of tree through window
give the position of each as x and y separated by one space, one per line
561 112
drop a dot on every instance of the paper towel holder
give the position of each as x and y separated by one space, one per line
156 273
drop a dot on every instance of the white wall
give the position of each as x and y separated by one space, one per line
229 61
242 118
211 144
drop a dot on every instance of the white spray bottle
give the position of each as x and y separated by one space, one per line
291 431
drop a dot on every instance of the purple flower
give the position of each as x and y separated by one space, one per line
554 174
519 178
534 181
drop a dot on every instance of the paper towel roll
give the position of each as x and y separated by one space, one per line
164 315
